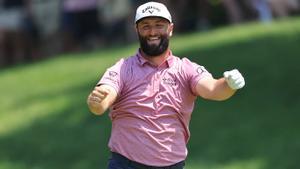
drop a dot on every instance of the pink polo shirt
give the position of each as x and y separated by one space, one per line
150 118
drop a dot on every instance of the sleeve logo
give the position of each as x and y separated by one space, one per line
201 69
112 74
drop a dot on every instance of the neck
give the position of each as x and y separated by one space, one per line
157 60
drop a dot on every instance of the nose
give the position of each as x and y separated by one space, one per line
152 31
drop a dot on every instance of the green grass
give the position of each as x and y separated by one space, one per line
45 123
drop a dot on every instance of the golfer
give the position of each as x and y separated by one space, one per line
151 96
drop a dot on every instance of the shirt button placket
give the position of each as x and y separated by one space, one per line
156 89
156 82
157 103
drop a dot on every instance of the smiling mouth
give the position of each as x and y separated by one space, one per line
153 40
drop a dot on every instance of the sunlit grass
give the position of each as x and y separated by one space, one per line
45 123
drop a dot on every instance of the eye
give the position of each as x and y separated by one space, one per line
159 26
145 27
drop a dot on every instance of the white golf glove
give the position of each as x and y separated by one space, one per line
234 79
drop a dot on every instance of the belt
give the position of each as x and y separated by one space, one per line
137 165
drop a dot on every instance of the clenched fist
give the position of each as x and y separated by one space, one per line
98 94
234 79
101 98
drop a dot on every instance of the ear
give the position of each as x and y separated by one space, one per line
171 29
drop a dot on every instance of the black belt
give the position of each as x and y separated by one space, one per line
137 165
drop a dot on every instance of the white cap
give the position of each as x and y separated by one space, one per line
152 9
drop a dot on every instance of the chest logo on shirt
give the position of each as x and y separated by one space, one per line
169 81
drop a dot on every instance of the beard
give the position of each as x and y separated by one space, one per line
153 50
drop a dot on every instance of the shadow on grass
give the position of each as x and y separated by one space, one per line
259 122
72 138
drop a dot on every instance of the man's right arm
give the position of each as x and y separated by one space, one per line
101 98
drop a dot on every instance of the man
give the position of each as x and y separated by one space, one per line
80 24
18 33
151 97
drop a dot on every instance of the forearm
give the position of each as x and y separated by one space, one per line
214 89
221 90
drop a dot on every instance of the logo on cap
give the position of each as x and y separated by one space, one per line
150 9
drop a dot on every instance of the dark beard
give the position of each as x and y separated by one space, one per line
154 50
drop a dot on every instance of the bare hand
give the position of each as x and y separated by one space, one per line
98 94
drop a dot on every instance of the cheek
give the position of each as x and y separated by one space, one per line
141 33
141 36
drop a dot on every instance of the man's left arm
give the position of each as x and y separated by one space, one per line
222 88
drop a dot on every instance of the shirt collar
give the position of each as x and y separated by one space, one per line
142 61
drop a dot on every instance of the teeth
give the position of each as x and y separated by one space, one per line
156 38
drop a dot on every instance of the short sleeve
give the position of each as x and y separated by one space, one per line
194 72
112 76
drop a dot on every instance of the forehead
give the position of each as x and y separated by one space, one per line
148 20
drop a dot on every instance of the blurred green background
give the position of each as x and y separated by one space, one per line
45 122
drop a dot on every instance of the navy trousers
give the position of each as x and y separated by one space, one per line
117 161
